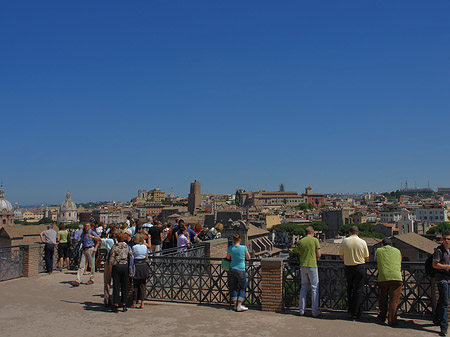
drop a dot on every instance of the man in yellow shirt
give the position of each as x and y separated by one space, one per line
355 253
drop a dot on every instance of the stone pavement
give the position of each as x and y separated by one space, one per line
48 305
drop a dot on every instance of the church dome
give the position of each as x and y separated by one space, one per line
4 204
68 204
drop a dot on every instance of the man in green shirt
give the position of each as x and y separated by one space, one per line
309 250
389 262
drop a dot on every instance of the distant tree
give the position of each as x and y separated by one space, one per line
440 228
45 221
305 206
365 230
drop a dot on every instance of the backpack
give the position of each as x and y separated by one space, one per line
203 235
429 270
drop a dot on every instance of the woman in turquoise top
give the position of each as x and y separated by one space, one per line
237 254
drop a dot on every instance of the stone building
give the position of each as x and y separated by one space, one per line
68 211
17 212
6 210
194 197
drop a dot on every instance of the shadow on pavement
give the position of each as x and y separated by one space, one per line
370 319
90 306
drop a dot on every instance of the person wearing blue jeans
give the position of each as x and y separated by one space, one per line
309 249
237 278
441 262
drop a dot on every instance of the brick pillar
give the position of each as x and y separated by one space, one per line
216 248
272 284
31 260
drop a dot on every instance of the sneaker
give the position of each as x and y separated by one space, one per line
235 307
75 283
301 313
89 282
443 332
317 314
241 308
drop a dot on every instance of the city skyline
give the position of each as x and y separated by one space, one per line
102 99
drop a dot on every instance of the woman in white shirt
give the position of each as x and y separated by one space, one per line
141 270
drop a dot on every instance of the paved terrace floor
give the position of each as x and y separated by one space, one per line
49 306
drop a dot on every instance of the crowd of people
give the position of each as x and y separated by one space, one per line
126 252
133 242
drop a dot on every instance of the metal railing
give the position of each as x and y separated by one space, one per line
417 294
195 250
198 280
11 262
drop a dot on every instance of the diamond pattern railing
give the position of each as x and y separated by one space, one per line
198 280
11 262
416 297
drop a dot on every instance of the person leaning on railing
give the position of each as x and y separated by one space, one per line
389 263
237 254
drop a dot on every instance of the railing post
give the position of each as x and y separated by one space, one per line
216 248
31 259
272 284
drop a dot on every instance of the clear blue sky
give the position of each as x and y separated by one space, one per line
101 98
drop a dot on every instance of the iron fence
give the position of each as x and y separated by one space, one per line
195 250
416 297
11 262
198 280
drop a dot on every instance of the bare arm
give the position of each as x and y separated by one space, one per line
318 253
42 238
247 256
438 265
228 256
341 257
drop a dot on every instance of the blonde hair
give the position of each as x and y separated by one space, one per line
218 226
139 238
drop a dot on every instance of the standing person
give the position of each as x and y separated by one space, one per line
63 246
389 263
355 253
237 254
183 241
141 270
309 249
215 232
88 249
107 243
441 262
155 233
148 224
49 238
128 238
118 258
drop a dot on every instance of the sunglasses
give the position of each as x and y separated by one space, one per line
446 239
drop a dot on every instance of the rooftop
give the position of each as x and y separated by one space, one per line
48 305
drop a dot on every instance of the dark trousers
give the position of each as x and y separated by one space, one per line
442 304
139 289
393 290
120 283
355 276
49 250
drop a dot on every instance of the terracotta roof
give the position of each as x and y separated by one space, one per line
372 241
254 231
386 224
24 230
327 248
418 241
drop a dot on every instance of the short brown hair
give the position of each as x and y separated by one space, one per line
62 227
354 230
309 230
120 236
236 237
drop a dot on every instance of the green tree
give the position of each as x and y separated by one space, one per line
365 230
305 206
440 228
45 221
